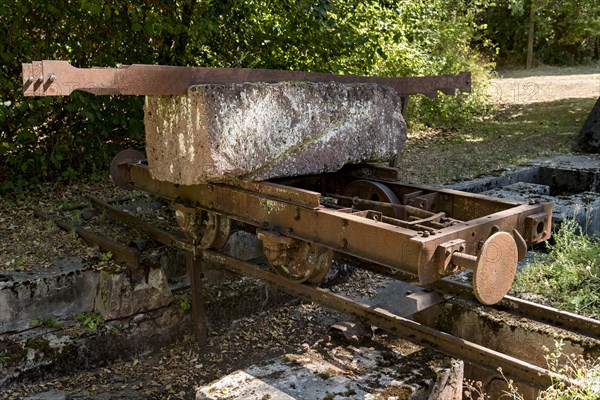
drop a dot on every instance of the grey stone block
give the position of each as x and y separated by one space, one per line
257 131
588 139
67 288
118 296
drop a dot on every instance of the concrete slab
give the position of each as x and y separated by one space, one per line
257 131
343 372
570 182
583 207
500 330
327 371
67 288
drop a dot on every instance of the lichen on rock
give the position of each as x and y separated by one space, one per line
257 131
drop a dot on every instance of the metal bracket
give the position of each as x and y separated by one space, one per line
443 256
536 227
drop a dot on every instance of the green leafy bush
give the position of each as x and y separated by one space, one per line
570 275
566 31
63 138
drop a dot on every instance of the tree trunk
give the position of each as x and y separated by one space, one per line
531 35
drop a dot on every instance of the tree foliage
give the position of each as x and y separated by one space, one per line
62 138
566 31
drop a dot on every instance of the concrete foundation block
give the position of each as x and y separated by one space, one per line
67 288
257 131
350 373
117 296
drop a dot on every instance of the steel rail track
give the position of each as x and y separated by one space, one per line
413 331
538 312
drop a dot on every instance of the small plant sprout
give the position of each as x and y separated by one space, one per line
91 320
4 358
50 321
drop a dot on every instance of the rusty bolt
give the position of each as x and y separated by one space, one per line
30 79
40 79
51 77
425 234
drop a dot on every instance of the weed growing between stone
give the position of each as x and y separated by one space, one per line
4 358
569 277
90 320
50 322
582 375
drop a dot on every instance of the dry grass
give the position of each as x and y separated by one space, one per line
519 130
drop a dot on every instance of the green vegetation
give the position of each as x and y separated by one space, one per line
60 139
184 301
49 322
507 136
584 375
4 358
565 32
90 320
570 274
106 256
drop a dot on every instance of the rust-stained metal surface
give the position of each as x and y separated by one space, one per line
59 78
421 230
196 274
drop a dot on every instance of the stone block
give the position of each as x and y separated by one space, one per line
343 372
118 296
257 131
588 139
65 289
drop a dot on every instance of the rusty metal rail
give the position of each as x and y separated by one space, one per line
411 330
59 78
539 312
126 255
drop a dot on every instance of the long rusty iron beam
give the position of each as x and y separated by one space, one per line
121 253
409 329
59 78
152 231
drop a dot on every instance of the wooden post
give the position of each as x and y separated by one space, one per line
196 275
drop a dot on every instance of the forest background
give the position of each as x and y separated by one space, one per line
64 139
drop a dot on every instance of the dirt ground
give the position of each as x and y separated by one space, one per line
174 372
546 84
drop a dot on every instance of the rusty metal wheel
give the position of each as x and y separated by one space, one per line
373 191
120 176
297 260
207 229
